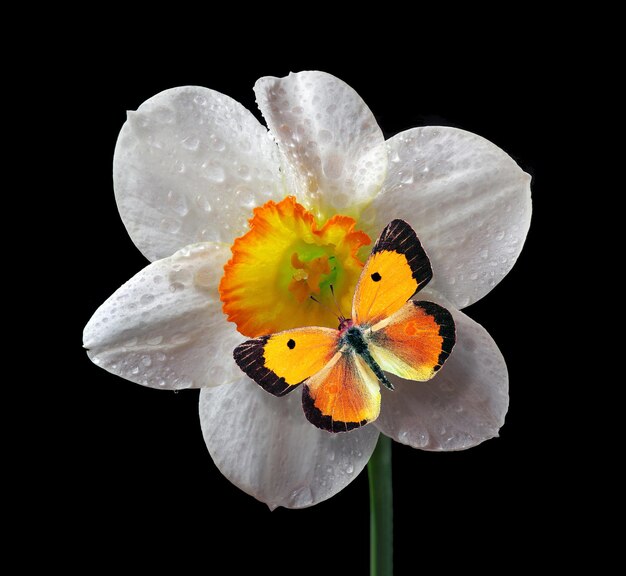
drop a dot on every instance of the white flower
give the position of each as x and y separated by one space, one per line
191 164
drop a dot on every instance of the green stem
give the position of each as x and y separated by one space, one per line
381 509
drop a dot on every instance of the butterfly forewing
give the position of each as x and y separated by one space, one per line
281 361
396 269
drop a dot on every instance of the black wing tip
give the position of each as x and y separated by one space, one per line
447 327
249 357
314 416
399 236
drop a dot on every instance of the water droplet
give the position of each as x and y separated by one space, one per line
146 298
191 143
245 197
474 276
199 100
484 254
331 455
302 496
155 341
170 226
135 370
161 357
203 278
406 177
500 235
164 115
324 136
146 360
244 172
213 172
217 143
157 279
350 469
177 202
174 286
333 166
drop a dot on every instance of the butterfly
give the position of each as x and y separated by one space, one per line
341 369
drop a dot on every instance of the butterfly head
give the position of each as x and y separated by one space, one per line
344 324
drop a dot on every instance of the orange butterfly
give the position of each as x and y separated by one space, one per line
342 369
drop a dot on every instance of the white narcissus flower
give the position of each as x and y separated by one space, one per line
191 165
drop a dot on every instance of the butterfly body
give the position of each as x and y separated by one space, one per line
354 338
341 369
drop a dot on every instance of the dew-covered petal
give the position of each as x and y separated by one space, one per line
468 201
164 328
462 406
265 446
189 166
333 150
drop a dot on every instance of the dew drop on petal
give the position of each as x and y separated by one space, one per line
169 225
213 172
154 341
324 136
191 143
177 203
217 144
146 298
203 278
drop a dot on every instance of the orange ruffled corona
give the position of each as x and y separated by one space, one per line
282 261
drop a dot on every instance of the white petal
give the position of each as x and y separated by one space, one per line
462 406
468 201
333 150
165 328
189 166
265 446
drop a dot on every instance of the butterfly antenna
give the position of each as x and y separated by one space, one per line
342 318
320 303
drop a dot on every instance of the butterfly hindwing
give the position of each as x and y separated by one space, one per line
414 342
344 395
281 361
395 270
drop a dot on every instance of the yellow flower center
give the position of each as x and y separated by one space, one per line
284 261
307 276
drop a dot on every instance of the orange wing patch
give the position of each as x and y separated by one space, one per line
396 269
343 396
414 342
283 360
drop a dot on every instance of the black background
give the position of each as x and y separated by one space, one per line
139 487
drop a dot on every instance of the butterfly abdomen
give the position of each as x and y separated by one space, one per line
353 337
